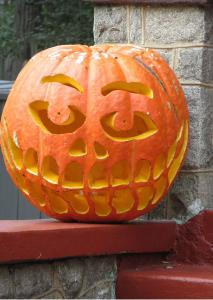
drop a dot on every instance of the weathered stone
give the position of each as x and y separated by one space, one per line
167 54
200 105
173 24
160 211
100 290
56 294
110 24
32 279
135 25
99 268
191 193
209 24
70 274
207 65
5 283
195 64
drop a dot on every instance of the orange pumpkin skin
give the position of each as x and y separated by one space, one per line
103 167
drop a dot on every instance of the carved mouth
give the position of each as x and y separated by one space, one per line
142 128
39 113
149 182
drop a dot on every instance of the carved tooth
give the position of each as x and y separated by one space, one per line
173 147
50 170
123 200
37 193
6 154
101 199
171 154
15 139
143 171
98 176
73 176
145 195
120 173
57 203
31 161
178 160
180 133
160 186
21 181
159 166
16 154
78 201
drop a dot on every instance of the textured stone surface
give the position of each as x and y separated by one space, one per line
99 280
209 24
32 279
5 283
110 24
160 211
71 273
200 105
135 25
102 268
191 193
73 278
55 294
195 64
167 54
102 290
172 24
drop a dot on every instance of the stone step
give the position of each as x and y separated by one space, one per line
165 280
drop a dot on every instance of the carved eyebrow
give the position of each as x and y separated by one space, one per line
63 79
132 87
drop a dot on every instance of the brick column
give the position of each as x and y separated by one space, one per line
182 32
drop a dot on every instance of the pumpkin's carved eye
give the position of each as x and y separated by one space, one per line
143 127
132 87
39 113
63 79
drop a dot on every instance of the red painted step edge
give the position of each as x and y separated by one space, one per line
166 282
188 274
49 239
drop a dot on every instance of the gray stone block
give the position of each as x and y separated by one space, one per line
209 24
55 294
195 64
100 268
110 24
135 25
5 283
70 274
167 54
200 153
173 24
31 280
100 290
191 193
99 277
160 211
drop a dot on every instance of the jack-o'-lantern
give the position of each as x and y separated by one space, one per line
95 133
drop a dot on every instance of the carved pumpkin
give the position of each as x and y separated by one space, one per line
95 133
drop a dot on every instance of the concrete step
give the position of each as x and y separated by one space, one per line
164 280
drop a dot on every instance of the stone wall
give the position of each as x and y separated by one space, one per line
183 35
73 278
